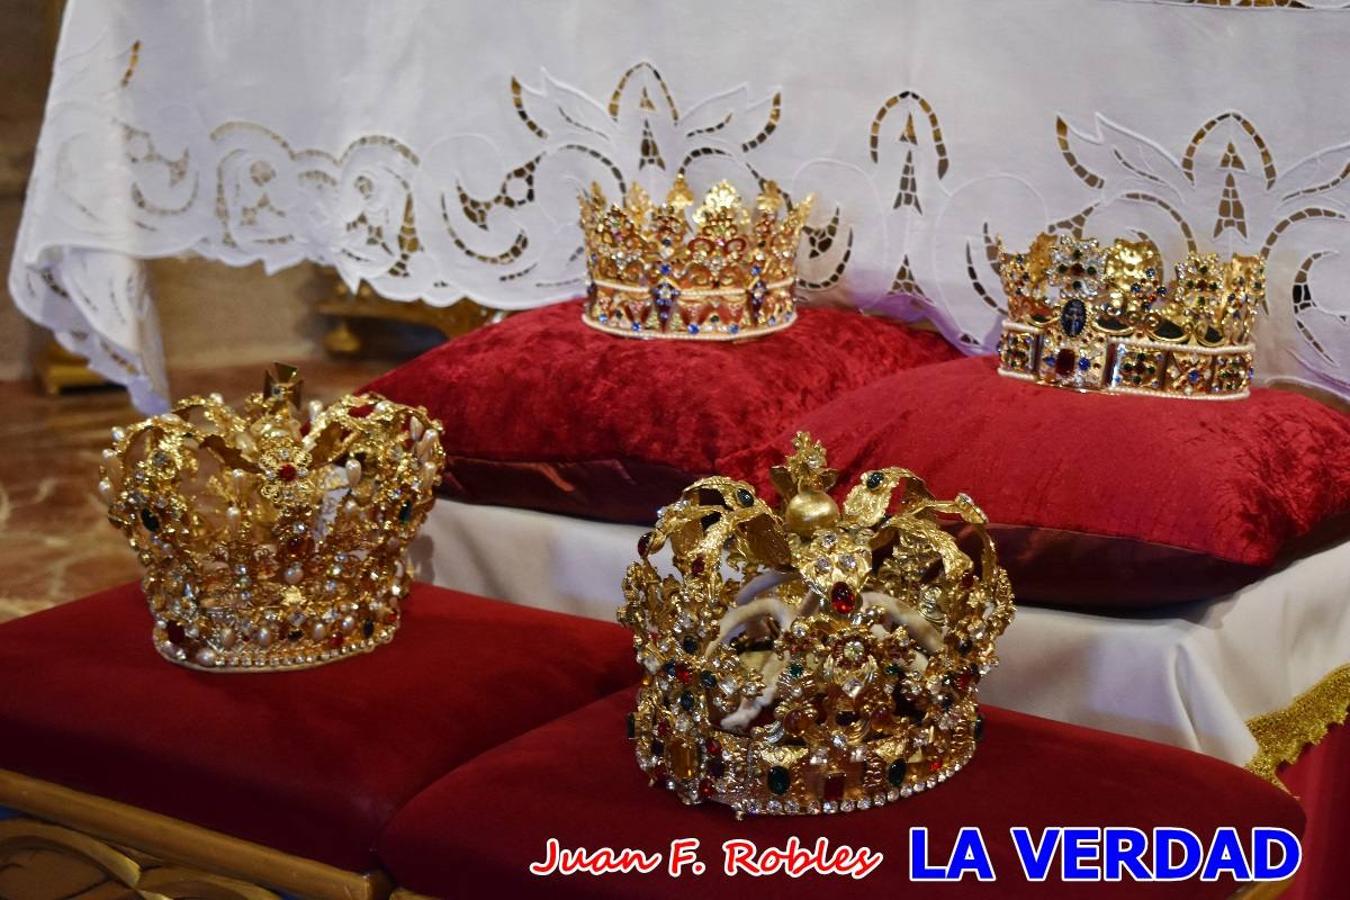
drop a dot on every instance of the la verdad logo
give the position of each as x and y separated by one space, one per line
1115 854
1068 854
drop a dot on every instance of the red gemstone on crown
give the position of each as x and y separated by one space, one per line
843 598
335 642
834 788
287 472
1065 360
683 673
175 633
360 412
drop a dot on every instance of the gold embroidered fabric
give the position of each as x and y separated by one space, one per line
1282 735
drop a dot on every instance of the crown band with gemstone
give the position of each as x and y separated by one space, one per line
730 277
1101 319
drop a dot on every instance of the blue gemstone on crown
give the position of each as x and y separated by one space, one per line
1073 317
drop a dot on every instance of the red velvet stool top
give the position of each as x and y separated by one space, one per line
311 762
475 832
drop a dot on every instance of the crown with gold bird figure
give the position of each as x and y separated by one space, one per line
274 537
729 276
813 659
1096 318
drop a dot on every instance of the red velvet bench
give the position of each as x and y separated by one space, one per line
441 764
305 766
475 832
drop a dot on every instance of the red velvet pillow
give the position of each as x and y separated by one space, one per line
542 412
475 832
313 762
1098 500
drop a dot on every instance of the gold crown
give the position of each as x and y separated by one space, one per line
1084 317
272 538
816 660
650 277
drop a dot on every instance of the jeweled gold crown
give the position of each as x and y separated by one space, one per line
275 537
814 659
650 275
1093 318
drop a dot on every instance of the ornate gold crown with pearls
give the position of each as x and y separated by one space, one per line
814 660
650 276
276 537
1102 319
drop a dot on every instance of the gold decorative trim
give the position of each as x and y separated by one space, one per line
1282 735
170 857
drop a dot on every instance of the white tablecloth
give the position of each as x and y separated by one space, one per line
1191 676
435 148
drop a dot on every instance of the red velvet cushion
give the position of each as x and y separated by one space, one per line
308 762
542 412
474 832
1097 500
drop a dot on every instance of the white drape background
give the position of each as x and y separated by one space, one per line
435 149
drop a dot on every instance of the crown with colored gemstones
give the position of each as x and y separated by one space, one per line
729 276
1092 318
816 659
274 537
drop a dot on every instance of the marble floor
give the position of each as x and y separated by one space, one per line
55 542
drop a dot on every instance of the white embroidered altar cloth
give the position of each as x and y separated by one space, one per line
435 149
